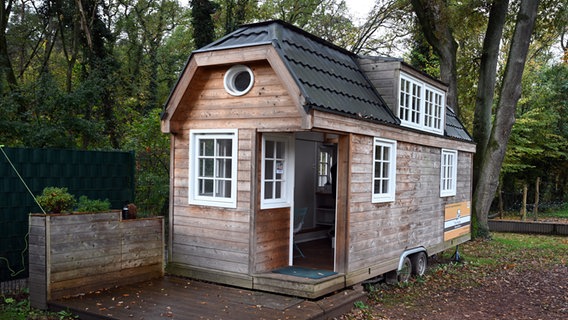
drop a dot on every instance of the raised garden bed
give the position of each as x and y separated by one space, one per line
72 254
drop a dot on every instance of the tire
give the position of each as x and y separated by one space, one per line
419 263
405 271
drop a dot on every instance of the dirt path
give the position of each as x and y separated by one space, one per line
532 286
511 295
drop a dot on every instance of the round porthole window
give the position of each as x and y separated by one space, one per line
238 80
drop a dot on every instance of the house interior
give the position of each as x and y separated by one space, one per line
314 193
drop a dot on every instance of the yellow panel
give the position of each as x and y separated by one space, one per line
457 220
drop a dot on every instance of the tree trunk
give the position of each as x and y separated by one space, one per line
524 205
500 195
492 159
6 70
434 19
487 79
536 198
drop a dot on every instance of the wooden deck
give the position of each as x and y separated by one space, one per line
181 298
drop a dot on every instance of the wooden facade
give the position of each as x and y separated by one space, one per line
242 245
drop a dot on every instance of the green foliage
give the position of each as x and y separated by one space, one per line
92 205
56 200
152 149
538 146
18 308
202 22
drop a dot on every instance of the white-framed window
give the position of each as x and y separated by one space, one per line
448 173
384 170
213 167
421 105
325 162
277 178
238 80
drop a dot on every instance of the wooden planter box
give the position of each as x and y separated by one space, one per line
71 254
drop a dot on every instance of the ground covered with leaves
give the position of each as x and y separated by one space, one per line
511 276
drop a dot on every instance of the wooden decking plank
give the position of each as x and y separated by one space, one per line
180 298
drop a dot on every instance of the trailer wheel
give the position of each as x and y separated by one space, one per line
419 263
406 270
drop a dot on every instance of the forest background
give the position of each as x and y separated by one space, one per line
94 74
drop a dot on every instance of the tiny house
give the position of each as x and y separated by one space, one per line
301 168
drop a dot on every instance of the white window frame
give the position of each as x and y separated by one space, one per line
230 80
391 174
194 177
325 163
422 106
448 172
287 178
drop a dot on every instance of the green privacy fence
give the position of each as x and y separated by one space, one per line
95 174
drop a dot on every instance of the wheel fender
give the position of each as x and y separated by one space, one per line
409 252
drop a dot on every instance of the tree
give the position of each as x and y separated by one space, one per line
385 28
539 139
7 75
235 14
203 27
435 20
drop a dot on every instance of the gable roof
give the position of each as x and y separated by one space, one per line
328 76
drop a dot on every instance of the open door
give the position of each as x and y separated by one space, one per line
313 234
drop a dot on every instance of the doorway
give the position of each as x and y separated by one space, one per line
314 190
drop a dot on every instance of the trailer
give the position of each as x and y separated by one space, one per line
301 168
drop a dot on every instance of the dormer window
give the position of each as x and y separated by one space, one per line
238 80
421 105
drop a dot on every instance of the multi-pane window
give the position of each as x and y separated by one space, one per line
324 167
410 100
384 170
213 159
433 110
448 173
276 171
421 106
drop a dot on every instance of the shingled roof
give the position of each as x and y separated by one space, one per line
328 76
454 127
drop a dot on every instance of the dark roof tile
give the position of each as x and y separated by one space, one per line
328 76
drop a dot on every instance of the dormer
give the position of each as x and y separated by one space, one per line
418 100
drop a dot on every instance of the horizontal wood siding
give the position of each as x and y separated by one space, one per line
213 238
267 106
381 231
272 239
78 253
323 120
38 271
384 77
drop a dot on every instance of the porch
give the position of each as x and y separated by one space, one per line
182 298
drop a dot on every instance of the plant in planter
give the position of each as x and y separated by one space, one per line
90 205
56 200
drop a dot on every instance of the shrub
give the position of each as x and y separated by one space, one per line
56 200
92 205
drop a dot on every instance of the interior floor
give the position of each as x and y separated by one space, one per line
318 254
